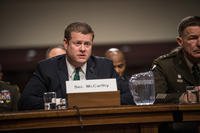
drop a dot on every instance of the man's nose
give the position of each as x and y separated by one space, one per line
117 69
82 47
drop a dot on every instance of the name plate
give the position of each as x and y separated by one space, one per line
94 85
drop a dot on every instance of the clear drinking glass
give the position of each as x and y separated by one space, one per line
142 87
49 100
60 103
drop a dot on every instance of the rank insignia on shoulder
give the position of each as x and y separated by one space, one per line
154 66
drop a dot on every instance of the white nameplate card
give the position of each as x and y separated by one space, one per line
94 85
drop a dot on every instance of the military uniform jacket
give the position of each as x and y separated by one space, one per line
9 96
172 76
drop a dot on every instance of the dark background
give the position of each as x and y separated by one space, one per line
142 29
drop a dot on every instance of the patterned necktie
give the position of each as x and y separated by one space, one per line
76 75
196 73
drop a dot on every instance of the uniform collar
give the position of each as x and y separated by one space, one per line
189 63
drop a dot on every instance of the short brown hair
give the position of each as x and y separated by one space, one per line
82 27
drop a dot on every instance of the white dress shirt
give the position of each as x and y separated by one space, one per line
71 71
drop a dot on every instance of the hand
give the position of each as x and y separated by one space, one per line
188 97
197 88
183 98
192 96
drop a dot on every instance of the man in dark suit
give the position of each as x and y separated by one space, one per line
51 74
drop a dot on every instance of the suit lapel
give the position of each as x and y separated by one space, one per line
91 71
62 72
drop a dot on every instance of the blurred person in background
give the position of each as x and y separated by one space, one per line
55 51
118 60
9 95
119 63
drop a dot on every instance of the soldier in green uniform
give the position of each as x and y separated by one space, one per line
178 70
174 71
9 95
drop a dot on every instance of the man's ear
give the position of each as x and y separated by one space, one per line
65 43
179 40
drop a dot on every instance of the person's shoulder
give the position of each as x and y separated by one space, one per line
52 60
8 85
4 84
167 60
100 62
101 59
169 56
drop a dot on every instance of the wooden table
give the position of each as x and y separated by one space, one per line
118 119
190 113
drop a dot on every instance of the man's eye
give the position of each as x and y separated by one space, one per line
121 65
87 44
193 37
78 43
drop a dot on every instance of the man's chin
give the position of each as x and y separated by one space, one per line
196 56
82 61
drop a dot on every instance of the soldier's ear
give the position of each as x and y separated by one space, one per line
179 40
